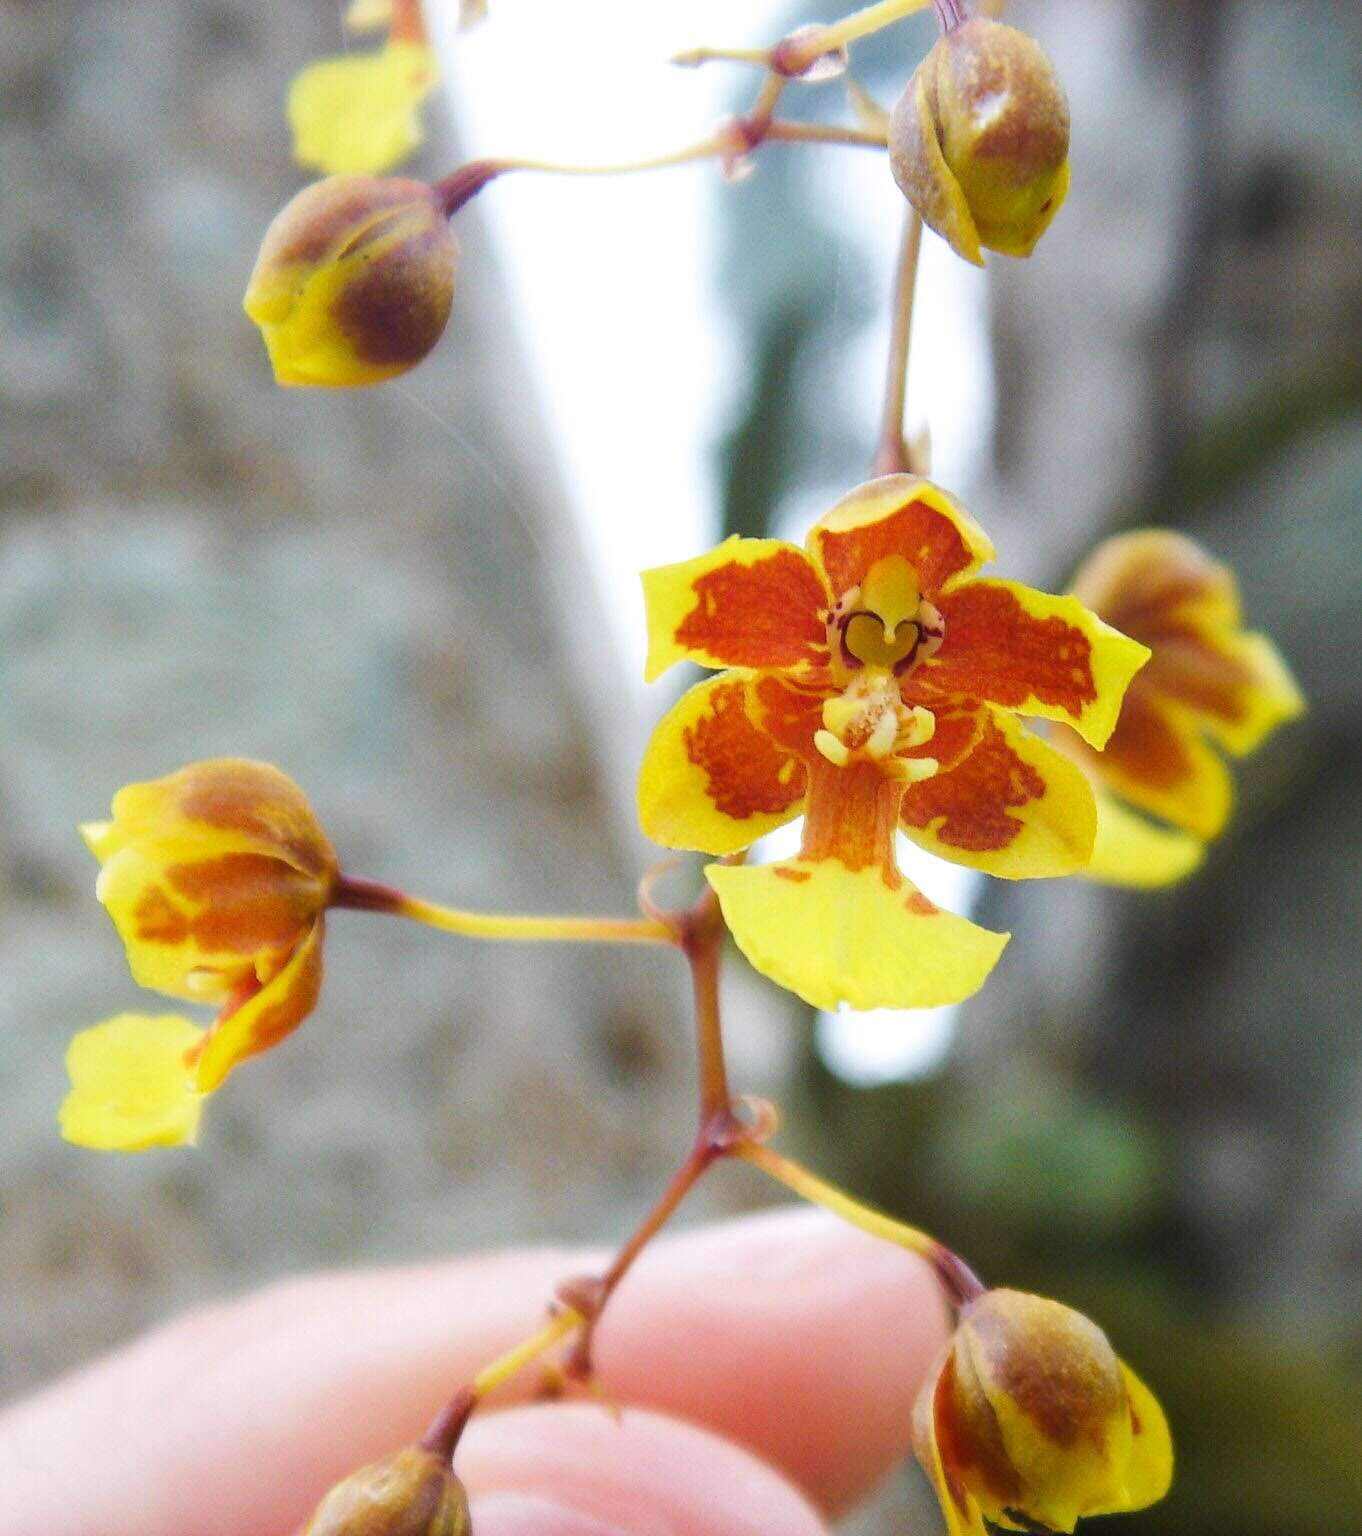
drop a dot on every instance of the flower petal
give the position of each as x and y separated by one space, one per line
1014 807
747 603
264 1019
1132 851
713 778
898 515
959 1508
130 1085
1151 579
1033 653
1158 760
360 113
831 935
194 920
1235 683
224 805
1149 1471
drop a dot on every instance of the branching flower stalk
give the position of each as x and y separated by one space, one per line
872 683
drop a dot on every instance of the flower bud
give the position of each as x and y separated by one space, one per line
1032 1421
411 1493
979 141
354 281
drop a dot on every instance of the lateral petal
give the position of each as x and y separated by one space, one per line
1014 807
1149 1470
714 778
265 1018
832 935
1032 653
746 603
360 112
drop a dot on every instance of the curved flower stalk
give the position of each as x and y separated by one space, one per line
1030 1421
361 112
1209 683
874 682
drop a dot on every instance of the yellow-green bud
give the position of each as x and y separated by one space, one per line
1030 1420
979 141
354 281
411 1493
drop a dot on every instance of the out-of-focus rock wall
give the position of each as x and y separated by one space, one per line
378 591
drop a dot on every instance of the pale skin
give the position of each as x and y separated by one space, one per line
766 1367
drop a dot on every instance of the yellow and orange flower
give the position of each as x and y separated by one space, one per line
216 878
361 112
873 684
1208 681
1030 1421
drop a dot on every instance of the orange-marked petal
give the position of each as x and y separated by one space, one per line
832 934
264 1019
246 806
713 777
747 603
898 515
1152 579
1033 653
1158 760
1014 807
959 1508
1235 683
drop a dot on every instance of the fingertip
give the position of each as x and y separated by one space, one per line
791 1333
574 1470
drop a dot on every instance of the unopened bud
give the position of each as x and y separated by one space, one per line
411 1493
354 281
1031 1421
979 141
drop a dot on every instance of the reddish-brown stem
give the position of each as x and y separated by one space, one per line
950 13
891 454
448 1425
702 944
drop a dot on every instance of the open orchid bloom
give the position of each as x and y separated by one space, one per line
874 682
217 878
1209 683
361 112
1031 1422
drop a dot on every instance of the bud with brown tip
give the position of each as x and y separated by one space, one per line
354 281
411 1493
979 141
1030 1421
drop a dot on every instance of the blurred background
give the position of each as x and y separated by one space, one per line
421 601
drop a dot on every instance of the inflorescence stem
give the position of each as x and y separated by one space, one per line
958 1280
892 455
359 895
792 56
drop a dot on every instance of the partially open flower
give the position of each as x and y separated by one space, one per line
354 281
1210 683
979 141
1030 1421
411 1493
216 879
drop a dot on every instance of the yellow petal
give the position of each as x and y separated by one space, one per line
959 1507
1014 807
1132 851
130 1086
1256 696
713 779
834 935
361 112
746 603
1149 1471
1033 653
267 1018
